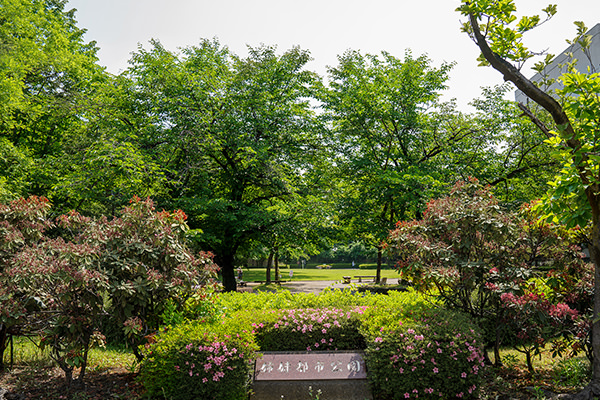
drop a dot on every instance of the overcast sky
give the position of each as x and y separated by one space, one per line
324 27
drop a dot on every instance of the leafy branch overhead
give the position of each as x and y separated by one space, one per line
499 27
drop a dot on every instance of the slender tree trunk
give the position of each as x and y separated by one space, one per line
67 369
276 259
529 362
68 376
3 343
379 255
86 351
135 348
497 360
269 263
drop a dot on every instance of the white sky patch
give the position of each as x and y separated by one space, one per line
324 27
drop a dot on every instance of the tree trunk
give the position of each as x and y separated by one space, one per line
269 263
276 259
379 254
86 352
67 369
594 201
3 343
529 363
497 360
68 377
228 271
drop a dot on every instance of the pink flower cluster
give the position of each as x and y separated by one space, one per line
431 349
316 323
540 303
215 360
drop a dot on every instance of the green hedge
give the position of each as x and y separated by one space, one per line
372 266
412 350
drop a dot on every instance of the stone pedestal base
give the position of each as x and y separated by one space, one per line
355 389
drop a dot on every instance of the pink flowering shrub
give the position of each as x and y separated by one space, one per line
311 329
436 355
467 250
201 361
23 222
535 320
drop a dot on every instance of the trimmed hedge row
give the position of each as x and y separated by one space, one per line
411 349
371 266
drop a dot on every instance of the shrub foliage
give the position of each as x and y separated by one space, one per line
201 361
59 277
468 251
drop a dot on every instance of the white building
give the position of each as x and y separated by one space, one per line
558 66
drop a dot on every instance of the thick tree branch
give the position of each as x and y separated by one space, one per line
512 74
520 171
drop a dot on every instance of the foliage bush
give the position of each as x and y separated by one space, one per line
467 251
572 372
349 297
60 278
23 222
201 361
381 289
148 263
535 320
436 355
371 266
201 306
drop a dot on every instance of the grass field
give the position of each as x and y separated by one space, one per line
259 274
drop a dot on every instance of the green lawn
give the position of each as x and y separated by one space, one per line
259 274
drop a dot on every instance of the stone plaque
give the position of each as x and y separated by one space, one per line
282 366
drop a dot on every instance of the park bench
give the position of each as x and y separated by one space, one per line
347 279
276 281
360 277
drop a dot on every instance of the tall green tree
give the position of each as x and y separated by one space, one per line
388 146
235 136
14 166
575 194
47 70
44 62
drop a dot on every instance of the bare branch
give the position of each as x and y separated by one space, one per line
527 112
